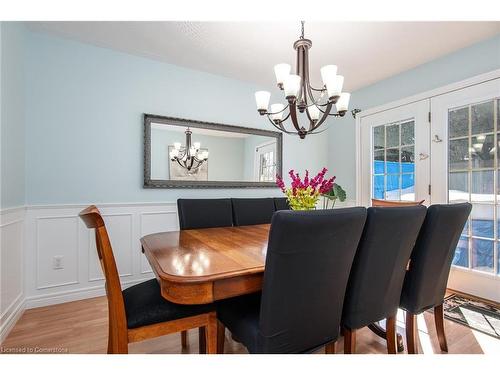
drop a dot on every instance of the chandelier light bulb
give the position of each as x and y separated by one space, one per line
277 111
177 145
262 99
281 71
335 88
329 74
313 112
291 86
343 102
197 145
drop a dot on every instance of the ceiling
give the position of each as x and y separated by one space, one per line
365 52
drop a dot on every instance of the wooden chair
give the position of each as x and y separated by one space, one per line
140 312
384 203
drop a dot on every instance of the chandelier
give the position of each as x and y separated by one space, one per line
316 103
188 156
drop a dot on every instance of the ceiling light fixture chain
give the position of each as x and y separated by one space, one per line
299 94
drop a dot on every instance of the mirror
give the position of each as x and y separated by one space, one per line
181 153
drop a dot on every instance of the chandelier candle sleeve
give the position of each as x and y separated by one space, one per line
307 106
281 71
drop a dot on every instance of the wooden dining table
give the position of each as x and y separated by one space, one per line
197 266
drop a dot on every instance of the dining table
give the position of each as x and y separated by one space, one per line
198 266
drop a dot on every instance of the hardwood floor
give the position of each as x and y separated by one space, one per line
82 327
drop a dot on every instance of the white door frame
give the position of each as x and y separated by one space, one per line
408 100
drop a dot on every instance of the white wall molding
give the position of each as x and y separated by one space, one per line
12 268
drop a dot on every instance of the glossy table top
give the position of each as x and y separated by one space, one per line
201 255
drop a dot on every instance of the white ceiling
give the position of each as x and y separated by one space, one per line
365 52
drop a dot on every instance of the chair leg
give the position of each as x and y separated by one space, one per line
439 320
110 341
391 335
330 348
184 339
211 334
349 340
411 333
221 335
202 340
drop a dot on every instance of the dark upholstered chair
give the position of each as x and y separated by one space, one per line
140 312
281 204
204 213
378 271
425 282
308 260
252 211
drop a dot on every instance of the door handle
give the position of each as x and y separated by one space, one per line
423 156
436 139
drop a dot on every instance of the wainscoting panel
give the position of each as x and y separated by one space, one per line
11 268
56 231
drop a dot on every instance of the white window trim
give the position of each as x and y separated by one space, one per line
481 78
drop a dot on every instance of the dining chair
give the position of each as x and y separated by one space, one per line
281 204
425 282
140 312
378 271
308 259
252 211
386 203
204 213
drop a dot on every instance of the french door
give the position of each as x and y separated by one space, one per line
395 154
465 167
444 149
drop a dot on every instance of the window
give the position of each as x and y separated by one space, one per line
474 177
393 172
266 159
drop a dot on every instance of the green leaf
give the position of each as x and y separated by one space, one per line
336 192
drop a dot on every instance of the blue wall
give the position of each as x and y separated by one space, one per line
465 63
84 132
12 174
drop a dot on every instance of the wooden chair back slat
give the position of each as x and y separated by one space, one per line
117 317
385 203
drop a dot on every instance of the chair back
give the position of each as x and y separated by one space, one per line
384 203
116 307
281 204
252 211
425 282
204 213
379 267
308 260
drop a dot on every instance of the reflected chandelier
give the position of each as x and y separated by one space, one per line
300 94
189 156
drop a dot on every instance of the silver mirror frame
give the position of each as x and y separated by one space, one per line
172 184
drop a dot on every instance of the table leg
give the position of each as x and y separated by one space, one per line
379 331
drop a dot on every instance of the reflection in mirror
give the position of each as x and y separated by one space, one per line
182 153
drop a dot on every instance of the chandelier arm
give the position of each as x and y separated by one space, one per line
281 128
293 115
319 131
275 113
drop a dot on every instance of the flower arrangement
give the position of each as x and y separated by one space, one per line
304 194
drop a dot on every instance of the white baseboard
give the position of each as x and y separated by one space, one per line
72 295
12 317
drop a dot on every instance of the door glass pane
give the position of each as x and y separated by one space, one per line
482 118
392 139
458 189
378 187
379 137
392 156
482 220
392 191
461 257
482 151
459 154
378 162
408 133
482 255
458 122
408 187
482 186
